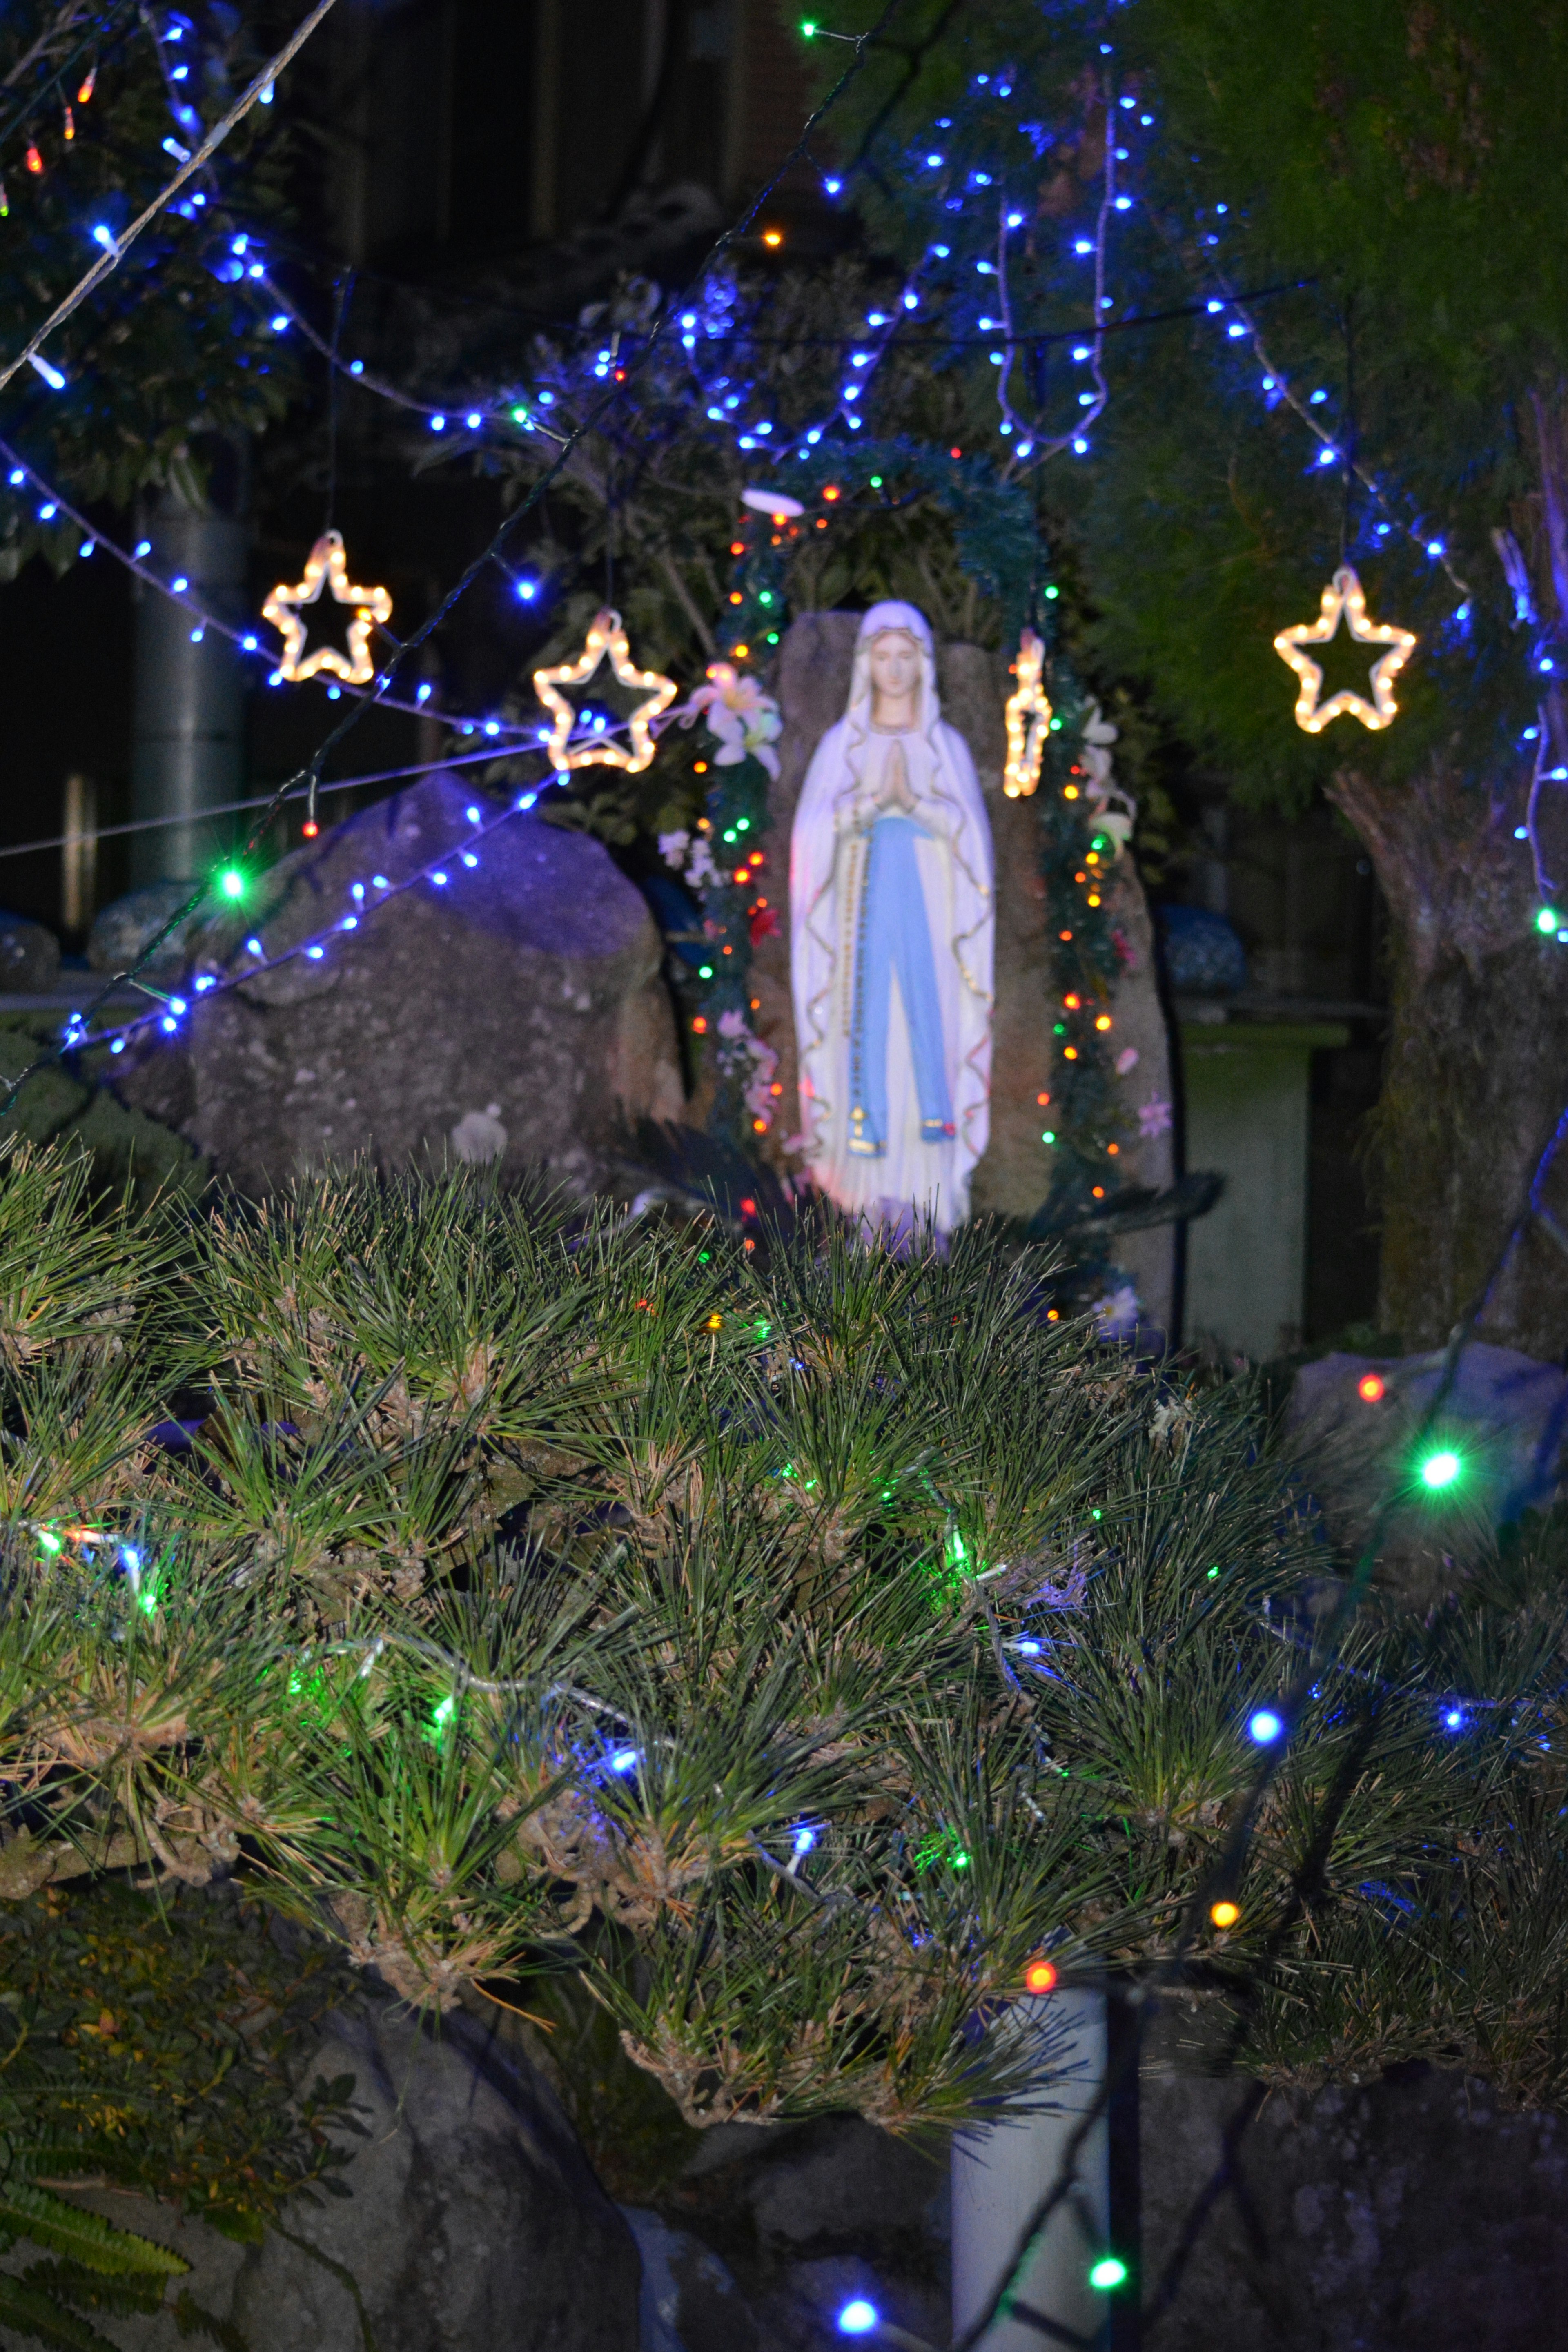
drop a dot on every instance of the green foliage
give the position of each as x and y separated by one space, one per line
59 1104
1405 178
164 355
783 1647
1456 1955
697 572
148 2043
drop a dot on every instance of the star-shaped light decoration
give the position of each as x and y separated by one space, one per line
325 568
1028 718
605 637
1345 595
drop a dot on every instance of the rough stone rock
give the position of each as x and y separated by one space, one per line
29 956
690 2302
1506 1415
512 1017
1411 2215
1014 1175
771 2230
475 2223
124 928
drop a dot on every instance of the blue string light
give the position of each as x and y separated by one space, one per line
207 985
858 2318
135 562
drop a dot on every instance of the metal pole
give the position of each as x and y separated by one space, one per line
79 855
1001 2171
188 734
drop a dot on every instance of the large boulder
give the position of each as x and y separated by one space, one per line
29 956
1412 2211
126 927
474 2223
1353 1422
768 2230
1014 1175
513 1015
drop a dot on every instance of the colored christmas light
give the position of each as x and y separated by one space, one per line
605 638
1441 1469
1370 1387
325 567
1224 1915
1040 1976
1029 717
1108 2275
1343 598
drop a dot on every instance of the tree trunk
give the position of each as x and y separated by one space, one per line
1477 1076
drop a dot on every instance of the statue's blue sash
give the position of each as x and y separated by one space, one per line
892 935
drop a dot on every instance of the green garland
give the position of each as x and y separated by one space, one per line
736 820
1083 1122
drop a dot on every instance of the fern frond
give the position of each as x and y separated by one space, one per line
32 2310
61 2228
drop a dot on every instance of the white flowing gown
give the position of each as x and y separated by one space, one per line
840 803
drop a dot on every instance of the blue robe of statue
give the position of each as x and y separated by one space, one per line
892 941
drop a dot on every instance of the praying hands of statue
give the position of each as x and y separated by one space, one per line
893 793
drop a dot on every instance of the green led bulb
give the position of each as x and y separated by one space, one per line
231 882
1109 2273
1441 1469
1548 919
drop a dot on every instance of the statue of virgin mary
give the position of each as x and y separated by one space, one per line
892 927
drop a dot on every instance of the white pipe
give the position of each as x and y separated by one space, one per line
1001 2170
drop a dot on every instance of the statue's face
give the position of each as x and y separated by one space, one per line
895 664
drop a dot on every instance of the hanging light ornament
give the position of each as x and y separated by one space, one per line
1344 596
605 638
1029 719
325 568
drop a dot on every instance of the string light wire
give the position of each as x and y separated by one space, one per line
264 800
96 40
206 987
245 640
618 384
114 253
